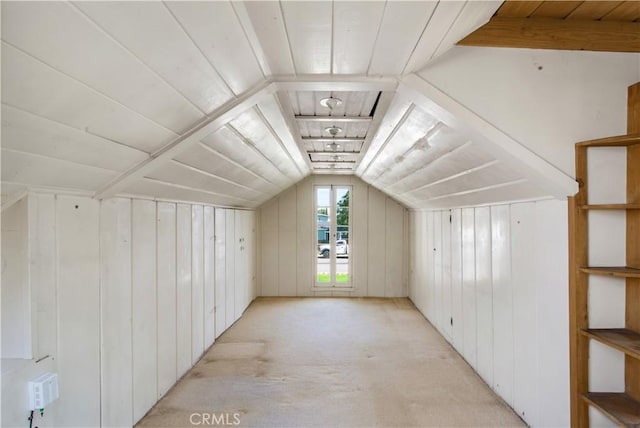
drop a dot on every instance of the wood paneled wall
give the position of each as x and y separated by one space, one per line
138 300
493 281
378 242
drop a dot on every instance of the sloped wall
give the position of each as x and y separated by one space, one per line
133 286
378 242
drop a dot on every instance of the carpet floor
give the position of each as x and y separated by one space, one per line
331 362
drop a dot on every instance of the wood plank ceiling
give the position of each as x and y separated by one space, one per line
218 102
612 26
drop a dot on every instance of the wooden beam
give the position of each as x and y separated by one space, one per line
547 33
341 140
314 82
204 127
334 119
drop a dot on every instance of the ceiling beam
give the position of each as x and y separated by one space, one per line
335 153
315 82
562 34
201 129
457 116
334 119
332 140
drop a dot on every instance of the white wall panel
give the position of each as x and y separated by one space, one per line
377 243
484 293
525 326
446 314
552 277
221 270
305 238
359 238
144 307
42 272
166 259
502 302
269 249
197 282
115 309
230 260
457 313
241 274
469 305
394 283
287 248
209 278
183 288
428 259
437 269
79 324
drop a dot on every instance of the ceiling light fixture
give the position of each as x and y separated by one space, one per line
330 102
333 146
333 130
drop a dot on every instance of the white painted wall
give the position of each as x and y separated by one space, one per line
547 100
378 242
495 284
123 294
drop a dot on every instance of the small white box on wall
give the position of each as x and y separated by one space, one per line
43 390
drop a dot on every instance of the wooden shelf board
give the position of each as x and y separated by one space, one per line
622 339
610 207
621 408
619 141
617 271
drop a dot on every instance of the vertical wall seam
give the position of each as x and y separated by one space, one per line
131 306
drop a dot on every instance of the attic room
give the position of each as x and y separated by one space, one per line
320 213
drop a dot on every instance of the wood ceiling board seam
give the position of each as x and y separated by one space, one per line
381 112
284 129
239 165
454 176
29 130
287 113
555 9
217 177
216 120
395 130
83 58
626 11
46 157
232 57
242 16
473 15
107 27
402 25
394 110
268 23
518 9
355 28
76 83
502 146
41 170
255 131
308 26
164 192
593 9
443 18
195 189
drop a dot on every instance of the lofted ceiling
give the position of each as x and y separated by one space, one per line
220 102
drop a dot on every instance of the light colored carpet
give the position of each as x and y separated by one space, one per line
331 362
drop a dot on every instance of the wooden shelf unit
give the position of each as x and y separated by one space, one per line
622 408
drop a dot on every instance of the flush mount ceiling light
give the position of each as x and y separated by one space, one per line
333 146
331 102
333 130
